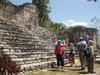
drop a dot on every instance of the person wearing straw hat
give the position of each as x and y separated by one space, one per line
81 45
90 59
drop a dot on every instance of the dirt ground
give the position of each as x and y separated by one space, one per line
67 70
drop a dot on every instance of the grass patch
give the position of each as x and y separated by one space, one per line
96 66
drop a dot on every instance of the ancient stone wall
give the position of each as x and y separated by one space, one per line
28 44
74 33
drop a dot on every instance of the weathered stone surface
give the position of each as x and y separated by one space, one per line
74 33
21 36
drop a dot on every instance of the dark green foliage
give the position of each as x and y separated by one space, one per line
43 16
57 27
43 11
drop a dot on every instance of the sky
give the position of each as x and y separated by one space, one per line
71 12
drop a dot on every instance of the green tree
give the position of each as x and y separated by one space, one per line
43 11
57 27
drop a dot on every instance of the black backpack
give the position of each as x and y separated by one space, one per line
87 52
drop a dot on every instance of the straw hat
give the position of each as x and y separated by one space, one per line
71 45
90 42
81 38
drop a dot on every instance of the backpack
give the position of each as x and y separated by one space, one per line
87 52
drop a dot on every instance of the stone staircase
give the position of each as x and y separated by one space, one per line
28 50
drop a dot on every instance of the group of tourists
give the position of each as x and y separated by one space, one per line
84 48
86 54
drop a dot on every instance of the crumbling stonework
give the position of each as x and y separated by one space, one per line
74 33
28 44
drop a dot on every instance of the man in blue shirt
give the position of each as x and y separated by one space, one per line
81 45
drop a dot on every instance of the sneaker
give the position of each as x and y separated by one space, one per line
89 72
92 72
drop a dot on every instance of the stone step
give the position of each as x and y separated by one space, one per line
34 59
98 56
39 65
25 53
47 56
23 59
34 66
25 48
97 60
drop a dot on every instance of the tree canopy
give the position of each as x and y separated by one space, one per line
57 27
43 16
43 11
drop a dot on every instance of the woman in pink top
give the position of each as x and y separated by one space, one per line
58 52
